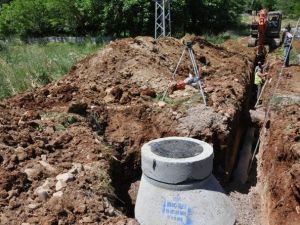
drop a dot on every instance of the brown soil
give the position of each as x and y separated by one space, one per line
93 121
279 169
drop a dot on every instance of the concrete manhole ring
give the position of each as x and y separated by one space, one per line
177 160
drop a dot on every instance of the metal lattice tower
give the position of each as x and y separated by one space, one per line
162 18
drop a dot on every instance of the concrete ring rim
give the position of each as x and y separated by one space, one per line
206 154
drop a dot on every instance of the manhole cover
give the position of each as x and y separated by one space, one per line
176 149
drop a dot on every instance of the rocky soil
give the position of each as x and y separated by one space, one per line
279 157
70 151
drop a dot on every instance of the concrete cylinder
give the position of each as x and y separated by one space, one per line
177 185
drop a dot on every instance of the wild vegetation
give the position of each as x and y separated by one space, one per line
25 66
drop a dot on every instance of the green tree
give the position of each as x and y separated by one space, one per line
269 4
113 17
290 7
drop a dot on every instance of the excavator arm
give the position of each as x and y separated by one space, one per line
262 27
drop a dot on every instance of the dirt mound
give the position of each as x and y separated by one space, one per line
279 157
72 148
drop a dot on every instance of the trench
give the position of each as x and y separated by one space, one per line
124 172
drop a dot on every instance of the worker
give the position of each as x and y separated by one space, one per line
259 66
258 81
287 44
191 80
274 22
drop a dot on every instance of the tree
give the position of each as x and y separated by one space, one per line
113 17
290 7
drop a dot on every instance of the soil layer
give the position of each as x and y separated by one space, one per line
70 151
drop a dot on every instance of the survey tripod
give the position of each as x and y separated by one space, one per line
189 48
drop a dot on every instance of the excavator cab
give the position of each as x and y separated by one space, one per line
274 24
266 30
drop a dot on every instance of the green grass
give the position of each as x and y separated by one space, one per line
293 55
241 30
24 66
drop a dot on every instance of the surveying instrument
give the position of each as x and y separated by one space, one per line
189 49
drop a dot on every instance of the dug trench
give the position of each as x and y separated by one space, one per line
126 171
89 127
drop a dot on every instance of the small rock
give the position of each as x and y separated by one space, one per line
100 208
117 92
33 220
133 191
31 115
108 99
12 193
161 104
49 131
132 222
87 167
149 92
58 194
4 219
86 219
62 140
78 108
33 206
125 98
80 208
42 193
77 168
48 220
48 167
44 157
31 173
65 177
60 185
21 154
110 211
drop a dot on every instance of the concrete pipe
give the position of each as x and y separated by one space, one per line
179 188
175 160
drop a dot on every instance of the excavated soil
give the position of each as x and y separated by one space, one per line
70 151
279 157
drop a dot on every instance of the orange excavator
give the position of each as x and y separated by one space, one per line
266 30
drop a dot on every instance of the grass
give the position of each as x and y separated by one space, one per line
24 66
240 30
293 55
220 38
278 102
62 120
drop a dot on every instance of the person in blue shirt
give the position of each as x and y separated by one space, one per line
287 44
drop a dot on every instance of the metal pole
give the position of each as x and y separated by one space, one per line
174 73
155 28
262 90
163 19
197 74
169 12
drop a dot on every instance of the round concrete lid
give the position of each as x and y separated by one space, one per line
176 160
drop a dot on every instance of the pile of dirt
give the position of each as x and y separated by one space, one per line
279 168
70 151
